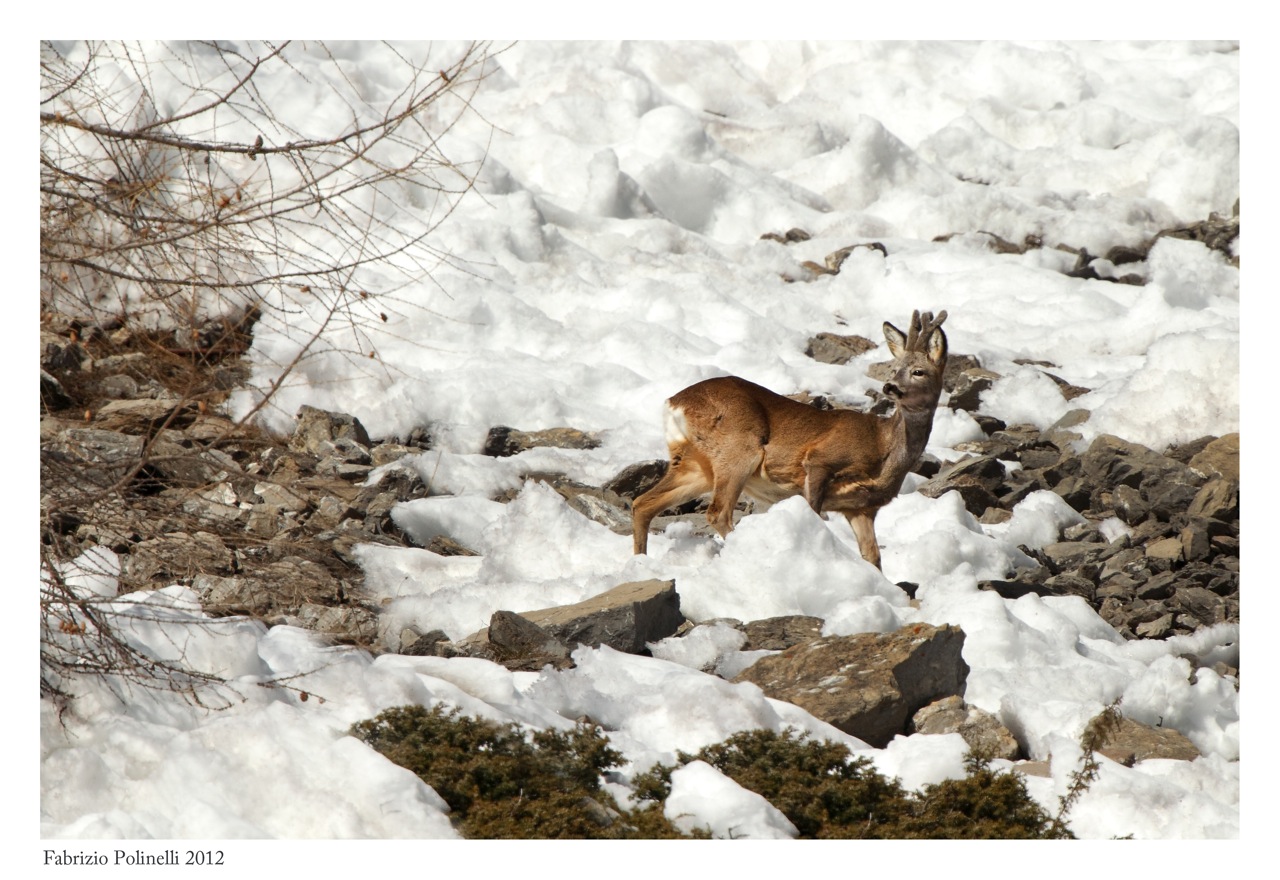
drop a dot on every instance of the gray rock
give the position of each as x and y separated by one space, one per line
102 457
976 479
401 483
1202 604
317 427
1129 505
598 510
281 497
780 633
52 395
1039 456
343 469
1066 555
175 557
1111 461
1014 589
1196 538
1217 499
503 441
59 354
832 348
346 623
415 644
969 386
1220 458
280 587
1159 628
263 521
834 260
868 685
520 644
144 416
380 507
636 479
133 360
1070 585
1085 532
445 546
118 387
792 235
1060 433
330 512
1118 586
625 618
231 594
342 449
387 453
217 503
981 730
1169 499
1168 549
1141 742
1065 388
1159 587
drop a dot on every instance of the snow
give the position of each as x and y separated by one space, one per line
704 798
613 256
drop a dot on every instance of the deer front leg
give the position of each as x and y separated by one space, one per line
863 523
817 478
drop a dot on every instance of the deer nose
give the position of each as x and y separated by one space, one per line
891 390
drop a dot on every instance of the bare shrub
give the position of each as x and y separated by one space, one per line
184 199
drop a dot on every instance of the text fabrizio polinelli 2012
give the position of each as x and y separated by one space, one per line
135 857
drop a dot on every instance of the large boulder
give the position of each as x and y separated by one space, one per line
626 618
869 685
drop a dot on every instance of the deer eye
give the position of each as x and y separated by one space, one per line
917 372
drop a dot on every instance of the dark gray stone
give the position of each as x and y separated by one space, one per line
983 733
636 479
780 633
625 618
868 685
503 441
521 644
318 429
832 348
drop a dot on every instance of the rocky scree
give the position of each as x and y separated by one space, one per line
136 457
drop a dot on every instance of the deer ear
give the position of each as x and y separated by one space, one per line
937 347
896 338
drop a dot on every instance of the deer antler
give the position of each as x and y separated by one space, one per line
922 327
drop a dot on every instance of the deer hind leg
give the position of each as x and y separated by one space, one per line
863 523
733 465
686 478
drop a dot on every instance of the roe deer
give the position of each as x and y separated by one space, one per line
728 435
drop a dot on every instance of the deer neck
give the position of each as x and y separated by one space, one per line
909 431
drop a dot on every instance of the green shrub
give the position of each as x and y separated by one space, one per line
984 805
502 782
827 792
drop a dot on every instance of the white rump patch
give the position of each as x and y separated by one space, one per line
677 429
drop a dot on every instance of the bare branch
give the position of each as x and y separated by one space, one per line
180 203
